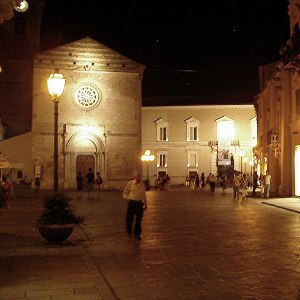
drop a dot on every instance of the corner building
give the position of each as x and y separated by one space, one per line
278 114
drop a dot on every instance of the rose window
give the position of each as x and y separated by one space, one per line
87 97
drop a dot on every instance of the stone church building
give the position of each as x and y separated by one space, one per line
99 112
99 122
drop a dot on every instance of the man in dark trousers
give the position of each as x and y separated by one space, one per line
135 194
90 179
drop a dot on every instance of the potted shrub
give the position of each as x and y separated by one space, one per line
58 218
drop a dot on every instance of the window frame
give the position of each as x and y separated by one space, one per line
162 124
192 123
160 159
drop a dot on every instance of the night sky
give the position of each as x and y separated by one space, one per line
213 49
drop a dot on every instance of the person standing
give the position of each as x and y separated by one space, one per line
236 186
90 179
224 183
254 183
79 180
202 181
267 184
197 182
212 183
99 181
262 184
244 186
135 194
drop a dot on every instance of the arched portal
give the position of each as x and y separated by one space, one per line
84 149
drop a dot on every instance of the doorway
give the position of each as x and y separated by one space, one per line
83 163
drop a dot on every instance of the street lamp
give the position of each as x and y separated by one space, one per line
242 153
147 157
56 84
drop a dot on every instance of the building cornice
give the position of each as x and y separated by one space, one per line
201 107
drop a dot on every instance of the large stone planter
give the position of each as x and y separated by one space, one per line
56 233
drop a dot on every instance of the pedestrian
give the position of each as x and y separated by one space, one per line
224 183
267 184
197 182
37 184
254 183
236 186
244 186
212 183
91 180
187 180
135 194
262 184
99 181
202 181
79 180
6 191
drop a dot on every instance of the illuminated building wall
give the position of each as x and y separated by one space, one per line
197 139
99 114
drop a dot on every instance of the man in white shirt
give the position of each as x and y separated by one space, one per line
135 194
267 184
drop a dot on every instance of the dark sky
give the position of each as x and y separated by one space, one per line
194 48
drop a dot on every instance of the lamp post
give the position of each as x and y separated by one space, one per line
147 157
56 84
242 153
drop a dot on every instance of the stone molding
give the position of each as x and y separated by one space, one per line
202 107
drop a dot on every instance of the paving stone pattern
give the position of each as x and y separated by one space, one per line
195 246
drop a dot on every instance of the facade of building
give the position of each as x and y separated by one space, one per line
99 122
278 114
186 140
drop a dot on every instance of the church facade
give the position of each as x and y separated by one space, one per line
99 121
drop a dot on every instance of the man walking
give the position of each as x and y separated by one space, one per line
135 194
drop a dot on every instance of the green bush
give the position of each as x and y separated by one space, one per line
58 210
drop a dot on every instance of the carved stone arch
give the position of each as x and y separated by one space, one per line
82 135
83 143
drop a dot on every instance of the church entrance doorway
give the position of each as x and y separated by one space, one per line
83 163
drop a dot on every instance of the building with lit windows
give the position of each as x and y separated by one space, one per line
278 114
101 122
186 140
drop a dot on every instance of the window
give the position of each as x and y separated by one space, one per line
162 128
193 133
192 159
192 126
162 133
162 159
225 129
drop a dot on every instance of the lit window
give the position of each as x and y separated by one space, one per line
162 159
192 126
193 159
225 129
162 128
